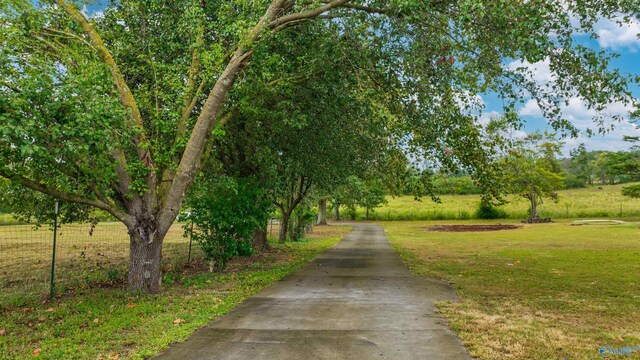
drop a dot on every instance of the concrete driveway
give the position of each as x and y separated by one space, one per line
356 300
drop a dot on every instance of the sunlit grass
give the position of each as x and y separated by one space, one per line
547 291
575 203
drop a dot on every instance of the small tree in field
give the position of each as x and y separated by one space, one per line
532 171
373 196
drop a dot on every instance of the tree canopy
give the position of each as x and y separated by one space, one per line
118 111
532 171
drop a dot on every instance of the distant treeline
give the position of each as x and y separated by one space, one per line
455 185
600 167
581 169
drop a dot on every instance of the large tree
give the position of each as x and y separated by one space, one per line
116 111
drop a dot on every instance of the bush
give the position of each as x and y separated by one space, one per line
631 191
573 182
487 211
302 219
462 185
225 212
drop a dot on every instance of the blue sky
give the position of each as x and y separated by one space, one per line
611 37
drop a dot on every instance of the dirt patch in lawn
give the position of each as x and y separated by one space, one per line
465 228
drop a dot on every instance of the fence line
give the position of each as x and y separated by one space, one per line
86 255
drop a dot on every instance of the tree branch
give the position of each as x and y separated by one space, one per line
192 91
282 21
126 97
37 186
64 34
367 9
10 86
192 155
190 103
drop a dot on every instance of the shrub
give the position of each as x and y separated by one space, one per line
225 212
302 219
573 182
487 210
462 185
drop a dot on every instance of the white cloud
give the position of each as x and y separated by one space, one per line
613 34
465 100
611 141
91 12
582 118
485 117
530 108
539 71
617 34
97 14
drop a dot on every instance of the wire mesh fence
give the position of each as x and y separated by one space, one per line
86 255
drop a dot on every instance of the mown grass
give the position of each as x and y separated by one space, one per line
575 203
103 323
545 291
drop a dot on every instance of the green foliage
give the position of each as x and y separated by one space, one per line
28 206
580 169
604 167
488 211
355 192
572 181
116 112
631 191
225 212
455 185
302 219
532 171
418 183
373 195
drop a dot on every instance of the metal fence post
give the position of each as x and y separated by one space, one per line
190 241
53 256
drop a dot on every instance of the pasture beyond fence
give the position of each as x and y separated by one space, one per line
86 255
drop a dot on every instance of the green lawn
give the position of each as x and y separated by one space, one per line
574 203
110 323
545 291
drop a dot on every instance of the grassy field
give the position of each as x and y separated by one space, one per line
111 323
85 256
545 291
574 203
